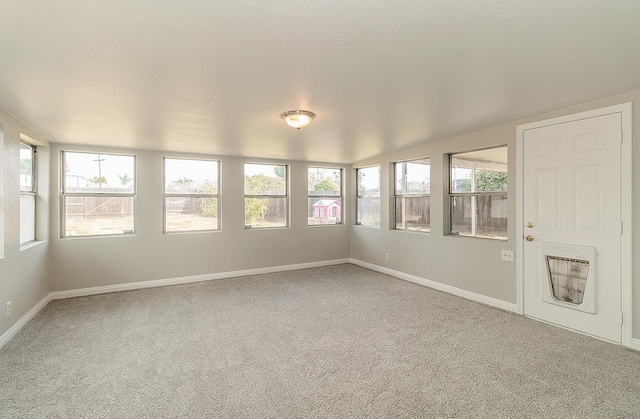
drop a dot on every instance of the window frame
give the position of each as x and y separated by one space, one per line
340 195
365 196
64 194
33 192
490 166
166 195
406 195
287 171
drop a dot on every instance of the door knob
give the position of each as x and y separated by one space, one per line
530 224
529 238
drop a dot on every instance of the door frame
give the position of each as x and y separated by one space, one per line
624 110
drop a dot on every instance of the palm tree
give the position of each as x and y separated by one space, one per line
124 179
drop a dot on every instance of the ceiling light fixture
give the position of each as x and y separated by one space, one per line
298 119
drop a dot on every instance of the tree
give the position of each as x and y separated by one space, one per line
264 185
361 175
183 185
99 180
124 179
209 205
26 165
489 180
280 171
325 185
254 210
462 185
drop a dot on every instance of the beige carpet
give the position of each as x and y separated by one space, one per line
338 341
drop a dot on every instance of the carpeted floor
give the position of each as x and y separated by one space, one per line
338 341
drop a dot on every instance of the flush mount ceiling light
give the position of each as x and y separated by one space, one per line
298 119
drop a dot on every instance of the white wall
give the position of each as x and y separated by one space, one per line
451 260
472 264
24 273
151 255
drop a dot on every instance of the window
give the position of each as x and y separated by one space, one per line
412 201
265 195
191 195
27 193
324 188
368 196
478 193
97 194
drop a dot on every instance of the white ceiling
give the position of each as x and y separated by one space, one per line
214 76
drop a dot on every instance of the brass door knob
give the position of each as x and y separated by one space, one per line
530 224
529 238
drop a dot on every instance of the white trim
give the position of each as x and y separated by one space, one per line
519 245
26 139
635 344
580 332
57 295
31 244
13 330
494 302
624 110
626 172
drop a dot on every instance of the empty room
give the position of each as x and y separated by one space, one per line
319 209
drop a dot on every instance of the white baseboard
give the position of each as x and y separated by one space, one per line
13 330
9 334
57 295
440 287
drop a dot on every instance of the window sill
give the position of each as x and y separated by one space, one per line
494 239
366 226
405 230
178 233
98 236
325 225
29 245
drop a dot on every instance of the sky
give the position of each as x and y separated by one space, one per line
83 166
251 169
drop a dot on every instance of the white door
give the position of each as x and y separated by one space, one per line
572 209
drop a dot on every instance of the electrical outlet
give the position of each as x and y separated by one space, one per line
507 255
9 309
386 257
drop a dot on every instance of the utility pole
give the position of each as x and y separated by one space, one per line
99 160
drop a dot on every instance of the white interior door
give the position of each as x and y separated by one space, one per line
572 216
